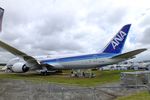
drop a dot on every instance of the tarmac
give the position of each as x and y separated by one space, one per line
13 89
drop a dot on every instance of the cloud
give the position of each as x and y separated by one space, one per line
144 26
146 34
40 27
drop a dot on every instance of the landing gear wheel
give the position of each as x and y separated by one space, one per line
44 73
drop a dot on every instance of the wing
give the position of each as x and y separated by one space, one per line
130 54
29 59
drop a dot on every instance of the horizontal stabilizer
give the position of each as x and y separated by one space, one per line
130 54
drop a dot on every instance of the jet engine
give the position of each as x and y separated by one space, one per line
19 67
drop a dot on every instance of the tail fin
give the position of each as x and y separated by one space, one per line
117 43
1 17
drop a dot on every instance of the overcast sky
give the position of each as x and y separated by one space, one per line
41 27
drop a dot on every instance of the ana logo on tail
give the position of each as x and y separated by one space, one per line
116 41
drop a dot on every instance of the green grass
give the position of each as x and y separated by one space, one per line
138 96
102 77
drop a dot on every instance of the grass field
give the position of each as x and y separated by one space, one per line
102 77
138 96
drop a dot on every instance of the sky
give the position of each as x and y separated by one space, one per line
57 27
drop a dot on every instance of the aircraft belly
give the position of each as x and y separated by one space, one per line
80 64
89 63
76 65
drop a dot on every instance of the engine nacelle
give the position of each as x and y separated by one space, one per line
19 67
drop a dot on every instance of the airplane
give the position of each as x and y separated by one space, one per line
111 54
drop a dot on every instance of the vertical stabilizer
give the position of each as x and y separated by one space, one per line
1 17
117 43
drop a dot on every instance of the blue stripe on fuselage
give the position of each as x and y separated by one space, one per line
76 58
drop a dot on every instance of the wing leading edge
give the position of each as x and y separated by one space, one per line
29 59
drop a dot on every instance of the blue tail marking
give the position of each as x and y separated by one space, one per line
117 43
